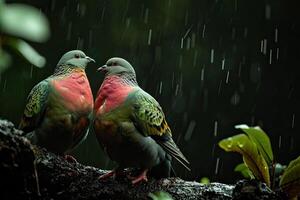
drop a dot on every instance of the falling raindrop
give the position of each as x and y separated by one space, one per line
202 74
277 53
270 57
181 43
235 99
279 142
227 77
190 130
276 35
293 121
188 43
220 86
149 36
223 63
217 166
193 40
146 15
268 11
212 51
102 14
240 70
216 128
160 87
265 46
203 31
128 21
79 43
213 150
31 71
177 89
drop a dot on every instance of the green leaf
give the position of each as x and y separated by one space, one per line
251 156
261 139
244 170
29 53
24 21
161 195
290 180
5 60
205 180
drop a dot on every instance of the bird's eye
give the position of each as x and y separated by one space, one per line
114 64
77 56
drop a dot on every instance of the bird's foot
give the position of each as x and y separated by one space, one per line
139 178
114 173
70 159
108 175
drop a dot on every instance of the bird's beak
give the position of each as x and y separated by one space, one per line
90 59
102 68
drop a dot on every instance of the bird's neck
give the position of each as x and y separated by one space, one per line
126 79
113 91
66 69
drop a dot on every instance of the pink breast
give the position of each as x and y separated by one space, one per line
75 91
112 93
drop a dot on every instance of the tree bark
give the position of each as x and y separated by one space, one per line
29 172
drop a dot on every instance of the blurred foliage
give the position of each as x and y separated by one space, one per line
21 21
204 180
290 180
161 195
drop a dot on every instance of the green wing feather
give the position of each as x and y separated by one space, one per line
150 120
35 107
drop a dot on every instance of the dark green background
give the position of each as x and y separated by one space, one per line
248 90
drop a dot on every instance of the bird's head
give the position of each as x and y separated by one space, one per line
117 66
75 58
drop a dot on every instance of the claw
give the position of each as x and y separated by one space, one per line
114 173
108 175
139 178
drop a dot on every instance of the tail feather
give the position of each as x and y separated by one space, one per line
171 148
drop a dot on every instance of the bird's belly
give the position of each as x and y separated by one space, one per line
127 151
61 133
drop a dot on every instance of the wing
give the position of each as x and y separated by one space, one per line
35 107
150 120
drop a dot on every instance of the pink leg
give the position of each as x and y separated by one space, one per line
139 178
108 174
113 173
70 159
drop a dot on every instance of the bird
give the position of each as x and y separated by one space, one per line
59 109
131 126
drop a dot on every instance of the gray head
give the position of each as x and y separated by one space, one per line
117 66
75 58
